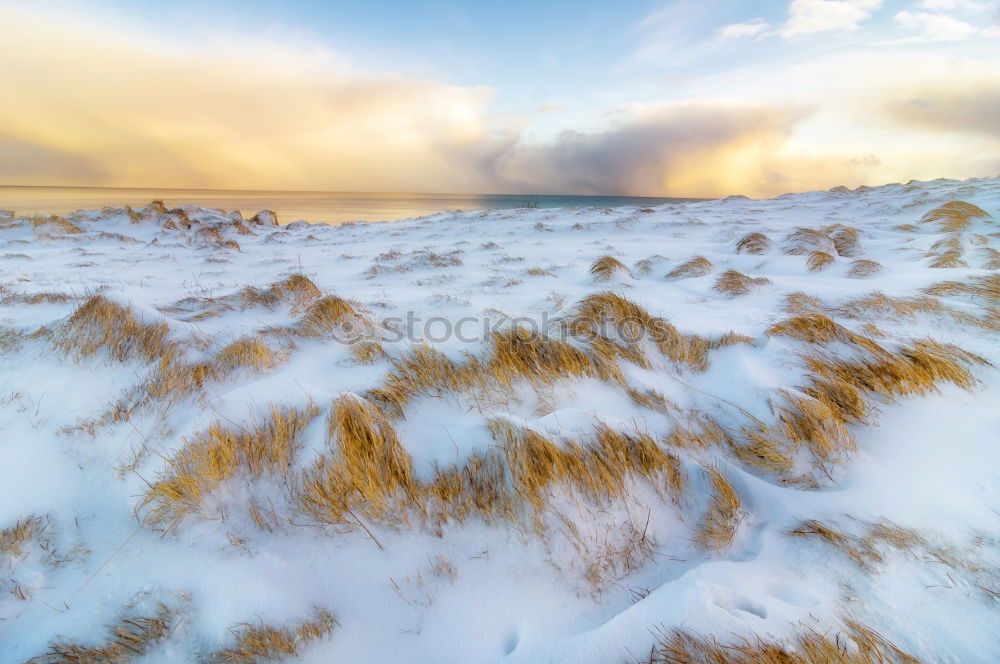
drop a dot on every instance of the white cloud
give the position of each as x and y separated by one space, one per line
758 27
947 5
935 27
811 16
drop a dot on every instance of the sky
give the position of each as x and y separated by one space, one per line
676 98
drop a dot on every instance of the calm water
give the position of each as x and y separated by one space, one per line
331 207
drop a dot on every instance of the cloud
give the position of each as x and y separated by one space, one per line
971 5
808 17
962 108
156 110
758 27
935 27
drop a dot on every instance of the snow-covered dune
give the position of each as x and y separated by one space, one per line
581 435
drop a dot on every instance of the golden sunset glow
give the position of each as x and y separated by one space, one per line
103 100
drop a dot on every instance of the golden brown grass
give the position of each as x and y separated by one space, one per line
864 549
695 431
367 352
129 640
733 339
367 472
853 644
13 539
804 241
753 243
798 302
718 526
256 644
423 370
915 369
54 222
175 378
219 453
698 266
846 240
522 354
986 288
817 260
954 216
735 284
634 323
326 315
862 268
296 288
100 323
597 468
607 268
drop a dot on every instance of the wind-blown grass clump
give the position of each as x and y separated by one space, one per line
256 644
13 539
818 260
128 641
954 216
846 240
734 283
985 288
862 268
367 472
597 468
100 323
219 453
753 243
698 266
804 241
631 324
718 526
854 644
326 315
423 370
607 268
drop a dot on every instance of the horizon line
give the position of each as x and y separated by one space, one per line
318 191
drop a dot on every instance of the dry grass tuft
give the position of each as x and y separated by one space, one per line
955 216
219 453
423 371
100 323
804 241
986 288
245 352
129 640
717 528
520 353
607 268
854 644
13 539
948 260
56 222
263 643
734 284
818 260
632 324
368 471
846 240
798 302
698 266
733 339
862 268
915 369
597 468
367 352
753 243
326 315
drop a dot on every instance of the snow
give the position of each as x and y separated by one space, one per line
929 463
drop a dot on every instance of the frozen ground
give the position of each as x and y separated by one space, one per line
772 509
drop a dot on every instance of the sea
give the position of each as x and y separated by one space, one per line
311 206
